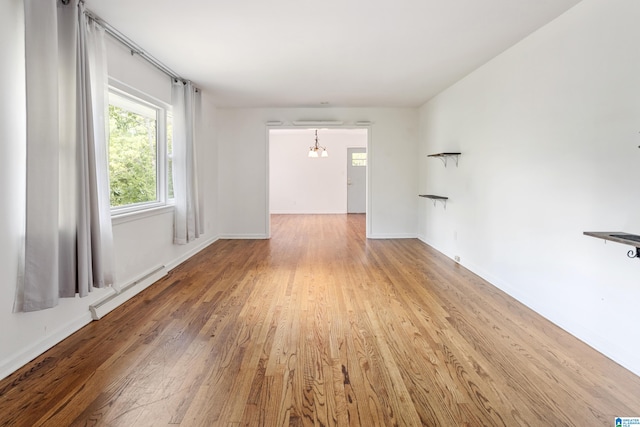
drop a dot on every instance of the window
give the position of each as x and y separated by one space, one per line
139 153
358 159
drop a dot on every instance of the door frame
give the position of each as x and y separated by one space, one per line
269 127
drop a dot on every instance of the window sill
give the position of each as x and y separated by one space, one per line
140 214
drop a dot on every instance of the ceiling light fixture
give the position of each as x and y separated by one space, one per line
314 149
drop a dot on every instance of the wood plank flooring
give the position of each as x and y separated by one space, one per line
319 326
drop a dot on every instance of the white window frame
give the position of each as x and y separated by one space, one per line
162 110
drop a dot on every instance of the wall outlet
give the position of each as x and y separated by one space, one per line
456 258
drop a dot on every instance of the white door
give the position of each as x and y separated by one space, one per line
356 180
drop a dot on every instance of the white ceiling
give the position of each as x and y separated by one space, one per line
348 53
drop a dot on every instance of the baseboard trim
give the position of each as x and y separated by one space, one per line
308 213
176 262
110 302
107 303
244 236
14 363
392 236
591 338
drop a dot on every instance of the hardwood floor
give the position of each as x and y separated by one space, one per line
319 326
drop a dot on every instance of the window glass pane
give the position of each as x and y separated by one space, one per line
132 152
358 159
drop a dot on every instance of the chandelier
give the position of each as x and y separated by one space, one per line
314 149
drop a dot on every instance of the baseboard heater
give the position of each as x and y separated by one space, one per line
124 293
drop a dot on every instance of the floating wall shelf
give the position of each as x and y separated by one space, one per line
436 199
445 156
619 237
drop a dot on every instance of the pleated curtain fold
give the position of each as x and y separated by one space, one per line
68 235
186 109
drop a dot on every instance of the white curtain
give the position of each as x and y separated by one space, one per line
68 238
95 236
186 108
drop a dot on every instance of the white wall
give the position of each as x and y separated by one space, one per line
143 243
243 179
300 184
134 71
549 138
22 335
138 244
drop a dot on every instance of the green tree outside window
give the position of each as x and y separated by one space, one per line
132 157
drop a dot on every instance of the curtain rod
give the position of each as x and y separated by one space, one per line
133 47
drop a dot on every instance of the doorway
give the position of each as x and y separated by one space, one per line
303 185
